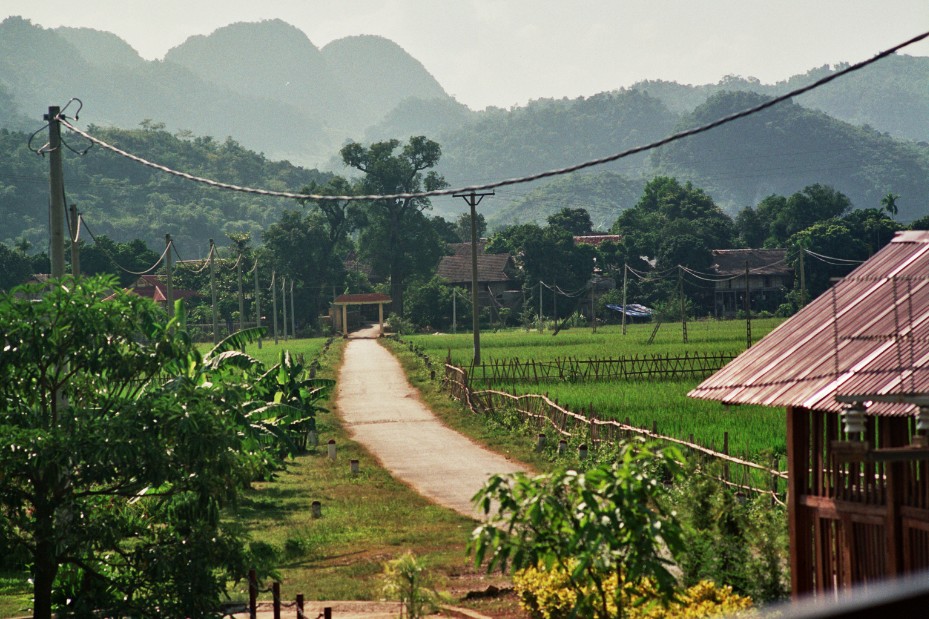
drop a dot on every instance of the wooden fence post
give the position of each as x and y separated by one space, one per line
300 614
276 595
726 452
252 594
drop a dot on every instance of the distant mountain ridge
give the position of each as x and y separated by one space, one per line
265 84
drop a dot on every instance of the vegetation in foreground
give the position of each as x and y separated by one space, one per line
121 446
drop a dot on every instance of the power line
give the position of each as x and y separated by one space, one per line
512 181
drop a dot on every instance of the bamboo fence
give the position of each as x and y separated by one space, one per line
573 369
737 473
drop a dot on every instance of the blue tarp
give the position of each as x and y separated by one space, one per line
633 310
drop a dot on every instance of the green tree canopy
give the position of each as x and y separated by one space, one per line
574 220
667 211
119 447
387 172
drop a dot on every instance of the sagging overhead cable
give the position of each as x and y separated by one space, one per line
512 181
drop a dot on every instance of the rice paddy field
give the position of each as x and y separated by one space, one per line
755 433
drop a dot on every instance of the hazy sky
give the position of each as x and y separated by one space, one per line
507 52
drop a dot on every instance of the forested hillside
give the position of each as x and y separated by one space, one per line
604 196
890 96
788 147
124 200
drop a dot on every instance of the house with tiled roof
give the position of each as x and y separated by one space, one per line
769 279
496 273
155 288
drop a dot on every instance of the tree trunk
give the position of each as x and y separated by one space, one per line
46 564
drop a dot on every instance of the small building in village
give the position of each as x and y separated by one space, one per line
155 288
852 371
496 274
769 279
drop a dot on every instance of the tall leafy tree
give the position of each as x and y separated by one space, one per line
668 211
119 447
387 172
574 220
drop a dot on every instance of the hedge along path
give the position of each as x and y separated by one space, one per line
382 412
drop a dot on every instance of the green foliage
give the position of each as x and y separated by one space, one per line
123 200
429 304
574 220
405 579
120 446
399 241
731 538
547 594
605 522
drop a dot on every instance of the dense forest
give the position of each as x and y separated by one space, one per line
125 200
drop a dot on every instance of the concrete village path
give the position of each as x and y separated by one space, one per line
382 411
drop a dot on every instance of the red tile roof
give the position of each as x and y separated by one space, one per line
864 339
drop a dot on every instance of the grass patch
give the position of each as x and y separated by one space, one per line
15 594
755 432
367 519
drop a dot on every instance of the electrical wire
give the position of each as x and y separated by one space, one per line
832 259
119 266
512 181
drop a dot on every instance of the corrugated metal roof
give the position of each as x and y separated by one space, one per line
864 339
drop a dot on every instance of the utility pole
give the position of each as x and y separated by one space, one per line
625 276
284 302
213 293
454 310
293 320
748 310
593 312
473 199
169 287
274 304
680 291
75 234
257 303
56 204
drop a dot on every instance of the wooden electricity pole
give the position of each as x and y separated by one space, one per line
473 199
169 286
748 310
274 304
284 308
213 293
293 320
56 203
625 274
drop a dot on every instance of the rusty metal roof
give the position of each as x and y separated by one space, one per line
865 340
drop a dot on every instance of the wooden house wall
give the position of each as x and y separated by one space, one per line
853 523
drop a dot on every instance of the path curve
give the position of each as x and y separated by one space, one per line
382 411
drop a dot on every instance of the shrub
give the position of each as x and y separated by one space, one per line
548 594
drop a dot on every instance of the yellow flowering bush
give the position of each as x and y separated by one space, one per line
547 594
